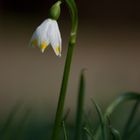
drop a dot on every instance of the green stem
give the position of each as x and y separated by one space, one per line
59 113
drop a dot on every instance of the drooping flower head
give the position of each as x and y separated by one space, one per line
47 33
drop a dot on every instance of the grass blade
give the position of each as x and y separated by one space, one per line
114 134
121 99
7 126
21 127
80 105
102 120
64 130
66 114
89 133
135 128
130 120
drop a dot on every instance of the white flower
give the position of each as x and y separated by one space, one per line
47 33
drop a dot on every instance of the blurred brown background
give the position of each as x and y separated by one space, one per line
108 47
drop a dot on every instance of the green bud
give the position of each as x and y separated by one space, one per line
55 11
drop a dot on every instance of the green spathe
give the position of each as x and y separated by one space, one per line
55 11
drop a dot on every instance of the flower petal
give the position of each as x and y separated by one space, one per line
55 38
57 50
34 43
43 46
39 35
34 40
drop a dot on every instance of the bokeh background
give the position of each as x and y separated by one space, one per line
108 46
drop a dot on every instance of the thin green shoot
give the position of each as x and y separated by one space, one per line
64 130
130 119
80 105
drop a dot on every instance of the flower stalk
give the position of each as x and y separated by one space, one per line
72 41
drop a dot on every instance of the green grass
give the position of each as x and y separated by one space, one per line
81 130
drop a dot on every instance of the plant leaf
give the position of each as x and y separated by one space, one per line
102 120
64 130
121 99
8 123
115 134
80 105
130 120
89 133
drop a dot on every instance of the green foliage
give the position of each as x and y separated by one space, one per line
80 105
111 108
104 131
102 120
5 132
127 127
89 133
64 130
115 134
120 100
